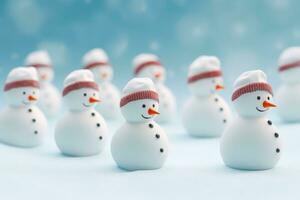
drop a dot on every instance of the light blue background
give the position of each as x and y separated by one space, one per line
243 34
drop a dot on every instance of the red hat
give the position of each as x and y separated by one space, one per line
143 61
204 67
95 58
38 59
137 89
289 59
251 81
79 79
21 77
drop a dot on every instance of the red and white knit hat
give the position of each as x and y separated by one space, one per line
137 89
251 81
204 67
95 58
289 59
145 60
21 77
79 79
38 59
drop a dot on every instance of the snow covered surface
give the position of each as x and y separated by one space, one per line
194 170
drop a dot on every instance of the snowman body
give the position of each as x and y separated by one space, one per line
287 96
81 133
140 143
23 126
50 101
251 141
110 96
138 146
167 104
206 116
251 144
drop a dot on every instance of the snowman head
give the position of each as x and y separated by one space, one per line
80 90
149 66
22 87
205 76
252 96
289 65
139 102
97 61
42 62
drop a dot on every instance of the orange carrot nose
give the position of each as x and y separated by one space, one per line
32 98
104 75
93 100
219 87
157 75
43 77
152 112
267 104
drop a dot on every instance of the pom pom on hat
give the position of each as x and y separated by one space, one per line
289 58
21 77
95 58
251 81
137 89
145 60
204 67
78 79
38 59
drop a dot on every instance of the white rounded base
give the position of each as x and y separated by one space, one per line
81 133
251 144
288 98
23 126
206 117
140 146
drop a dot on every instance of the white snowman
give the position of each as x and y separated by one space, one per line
251 142
149 66
288 94
97 61
140 144
205 114
22 123
50 101
82 131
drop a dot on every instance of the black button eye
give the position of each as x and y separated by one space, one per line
33 92
24 93
84 94
258 97
153 105
144 106
268 98
213 81
94 94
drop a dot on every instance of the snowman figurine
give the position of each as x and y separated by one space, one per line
149 66
97 61
205 114
140 144
50 101
251 141
22 124
82 131
288 94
